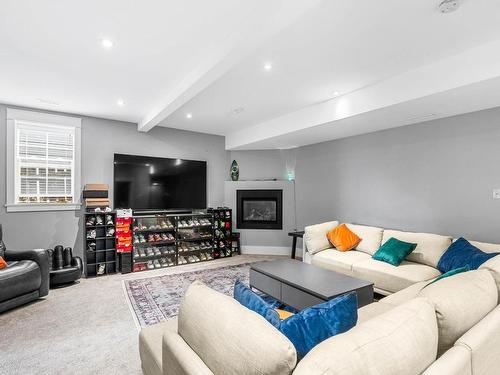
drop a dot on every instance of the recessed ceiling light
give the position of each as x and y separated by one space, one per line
189 115
268 66
448 6
120 103
336 93
107 43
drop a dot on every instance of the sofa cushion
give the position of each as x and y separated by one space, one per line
20 277
391 279
342 238
372 310
339 261
493 265
460 302
150 346
394 251
315 236
486 247
430 247
211 324
404 295
371 237
400 341
462 253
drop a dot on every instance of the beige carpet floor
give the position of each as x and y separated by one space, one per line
86 328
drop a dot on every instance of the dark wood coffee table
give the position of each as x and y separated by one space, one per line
302 285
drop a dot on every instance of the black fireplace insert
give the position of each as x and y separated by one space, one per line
259 209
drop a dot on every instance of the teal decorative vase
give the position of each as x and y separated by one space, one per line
235 171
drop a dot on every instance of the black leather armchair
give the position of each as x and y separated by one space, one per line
26 277
64 267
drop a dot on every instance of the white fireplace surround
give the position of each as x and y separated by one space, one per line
264 241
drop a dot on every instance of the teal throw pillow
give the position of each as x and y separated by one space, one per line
448 274
394 251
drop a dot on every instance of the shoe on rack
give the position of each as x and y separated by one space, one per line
98 220
157 263
210 256
170 262
142 253
136 254
91 246
90 221
98 209
164 237
151 238
101 269
91 234
110 232
182 260
149 252
203 256
109 220
108 209
157 251
151 266
136 239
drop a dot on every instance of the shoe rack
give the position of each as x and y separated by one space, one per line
100 256
223 224
167 240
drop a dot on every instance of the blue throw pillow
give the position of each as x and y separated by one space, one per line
244 295
462 253
309 327
315 324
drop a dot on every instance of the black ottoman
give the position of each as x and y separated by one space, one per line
64 267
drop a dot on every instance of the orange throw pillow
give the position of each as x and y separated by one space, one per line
343 238
3 263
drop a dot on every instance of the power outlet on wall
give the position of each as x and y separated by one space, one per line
496 194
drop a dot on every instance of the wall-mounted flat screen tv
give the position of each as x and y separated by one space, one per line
143 182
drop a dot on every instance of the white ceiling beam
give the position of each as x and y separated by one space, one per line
279 15
467 68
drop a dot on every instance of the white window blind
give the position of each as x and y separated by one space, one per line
44 163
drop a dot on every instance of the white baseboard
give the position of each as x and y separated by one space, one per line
266 250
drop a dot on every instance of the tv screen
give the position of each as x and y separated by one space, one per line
143 182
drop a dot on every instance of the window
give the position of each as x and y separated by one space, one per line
43 161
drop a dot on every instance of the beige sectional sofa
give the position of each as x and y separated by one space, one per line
451 327
421 264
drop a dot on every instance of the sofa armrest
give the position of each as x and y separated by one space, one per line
40 257
179 359
77 262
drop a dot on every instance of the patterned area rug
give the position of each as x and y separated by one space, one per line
157 299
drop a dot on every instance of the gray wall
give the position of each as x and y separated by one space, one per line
262 164
100 140
437 176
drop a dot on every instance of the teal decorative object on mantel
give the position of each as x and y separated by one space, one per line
235 171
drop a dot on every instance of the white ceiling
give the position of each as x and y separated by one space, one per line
394 62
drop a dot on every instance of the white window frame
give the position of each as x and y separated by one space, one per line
48 120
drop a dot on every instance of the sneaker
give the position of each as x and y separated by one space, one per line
98 209
98 220
90 221
150 252
108 209
91 233
110 232
164 237
109 220
157 237
101 269
182 260
136 239
157 251
184 223
142 253
91 246
203 256
136 254
170 262
163 262
151 238
157 264
151 266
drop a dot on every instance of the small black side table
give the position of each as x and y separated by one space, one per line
295 235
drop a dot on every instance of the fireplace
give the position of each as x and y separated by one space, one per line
259 209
